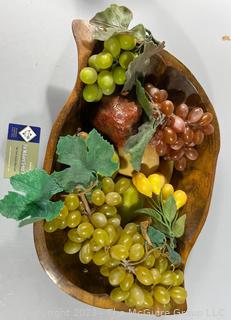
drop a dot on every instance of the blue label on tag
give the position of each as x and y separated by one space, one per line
20 132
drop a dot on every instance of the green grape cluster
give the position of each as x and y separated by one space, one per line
108 68
99 231
140 280
139 274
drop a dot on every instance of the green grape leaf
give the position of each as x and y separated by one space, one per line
157 237
86 159
137 143
35 184
32 203
100 155
143 100
143 64
27 221
71 147
13 206
179 226
161 227
169 209
174 257
47 210
114 19
76 174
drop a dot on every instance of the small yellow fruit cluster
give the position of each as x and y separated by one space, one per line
155 184
179 195
147 186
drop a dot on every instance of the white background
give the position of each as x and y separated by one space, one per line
37 71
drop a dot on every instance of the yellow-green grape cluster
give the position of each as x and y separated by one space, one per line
139 279
141 276
108 68
91 234
103 227
96 232
70 215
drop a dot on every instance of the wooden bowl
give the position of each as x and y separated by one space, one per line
85 282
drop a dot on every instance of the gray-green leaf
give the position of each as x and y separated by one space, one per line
156 219
150 212
137 143
169 208
114 19
139 32
143 100
174 256
161 227
143 64
157 238
179 226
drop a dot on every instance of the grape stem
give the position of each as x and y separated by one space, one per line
85 203
82 195
130 266
93 185
126 264
142 260
173 267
